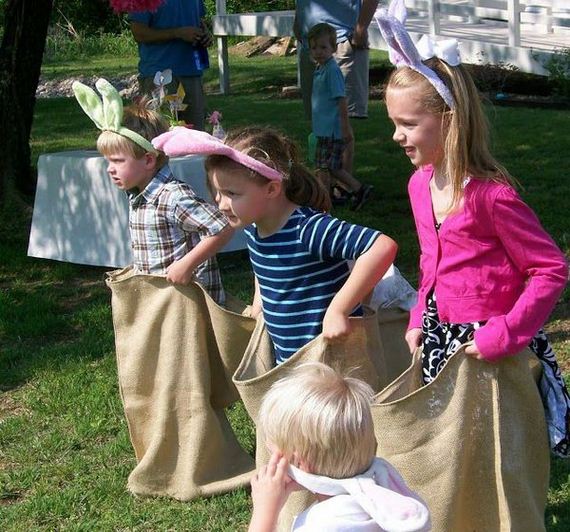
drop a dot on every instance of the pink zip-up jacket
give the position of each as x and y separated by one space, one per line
491 261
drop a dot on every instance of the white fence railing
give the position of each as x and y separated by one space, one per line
519 32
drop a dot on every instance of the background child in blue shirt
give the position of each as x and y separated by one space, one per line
331 125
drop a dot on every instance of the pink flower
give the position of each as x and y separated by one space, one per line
133 6
215 117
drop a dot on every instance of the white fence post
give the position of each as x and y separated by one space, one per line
513 10
433 17
223 62
474 19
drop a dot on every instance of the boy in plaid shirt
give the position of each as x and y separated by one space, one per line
173 231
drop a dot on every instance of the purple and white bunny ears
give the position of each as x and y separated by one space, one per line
403 52
181 141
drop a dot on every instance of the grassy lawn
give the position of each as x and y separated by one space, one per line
64 448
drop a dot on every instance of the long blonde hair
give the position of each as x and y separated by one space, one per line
465 127
277 151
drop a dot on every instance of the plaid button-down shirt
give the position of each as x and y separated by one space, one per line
167 220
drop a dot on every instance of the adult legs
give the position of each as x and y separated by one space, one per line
306 69
354 64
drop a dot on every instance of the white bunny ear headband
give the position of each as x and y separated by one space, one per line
403 52
380 491
107 111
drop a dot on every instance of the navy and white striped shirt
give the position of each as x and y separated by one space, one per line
300 269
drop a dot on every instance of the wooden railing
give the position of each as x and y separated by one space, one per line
532 17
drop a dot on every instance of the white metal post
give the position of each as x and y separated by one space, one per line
223 65
513 10
433 17
223 62
474 19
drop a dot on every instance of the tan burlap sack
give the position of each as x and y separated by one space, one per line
176 352
362 351
472 443
393 324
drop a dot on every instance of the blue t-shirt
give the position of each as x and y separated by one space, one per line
328 87
342 15
182 57
299 270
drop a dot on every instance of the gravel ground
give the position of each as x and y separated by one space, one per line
127 86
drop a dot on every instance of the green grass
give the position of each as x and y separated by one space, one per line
64 448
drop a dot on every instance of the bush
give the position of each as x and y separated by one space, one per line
247 6
63 46
558 67
87 16
96 16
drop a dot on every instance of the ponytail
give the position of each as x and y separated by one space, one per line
277 151
303 188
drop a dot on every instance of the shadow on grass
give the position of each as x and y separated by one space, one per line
558 510
50 312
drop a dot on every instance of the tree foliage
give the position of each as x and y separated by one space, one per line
247 6
95 16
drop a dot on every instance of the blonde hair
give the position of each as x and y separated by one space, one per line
465 130
277 151
323 417
140 118
322 30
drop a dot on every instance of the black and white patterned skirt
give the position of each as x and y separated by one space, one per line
441 340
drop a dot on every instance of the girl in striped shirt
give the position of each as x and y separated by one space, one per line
299 252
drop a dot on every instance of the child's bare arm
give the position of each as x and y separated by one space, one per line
180 271
368 270
256 305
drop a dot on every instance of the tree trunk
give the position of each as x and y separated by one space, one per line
25 29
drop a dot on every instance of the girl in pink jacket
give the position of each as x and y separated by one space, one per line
489 273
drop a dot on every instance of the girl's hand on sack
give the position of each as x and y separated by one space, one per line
335 325
473 351
414 338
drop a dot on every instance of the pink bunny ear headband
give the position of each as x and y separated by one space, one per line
403 52
183 141
380 491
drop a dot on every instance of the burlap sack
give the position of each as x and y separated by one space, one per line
361 351
472 443
176 352
393 324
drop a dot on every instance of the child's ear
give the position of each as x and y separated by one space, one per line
274 188
301 464
150 160
305 466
